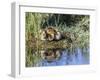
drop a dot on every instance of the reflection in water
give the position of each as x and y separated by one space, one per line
56 57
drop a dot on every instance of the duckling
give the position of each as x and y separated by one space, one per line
43 35
50 34
58 36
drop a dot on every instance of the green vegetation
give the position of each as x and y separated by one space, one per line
76 25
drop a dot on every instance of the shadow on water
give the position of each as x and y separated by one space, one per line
59 57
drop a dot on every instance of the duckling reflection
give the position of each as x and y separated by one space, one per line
58 57
50 55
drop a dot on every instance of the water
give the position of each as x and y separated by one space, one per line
56 57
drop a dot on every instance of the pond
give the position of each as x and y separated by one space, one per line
61 57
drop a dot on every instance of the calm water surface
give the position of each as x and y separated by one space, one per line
65 57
